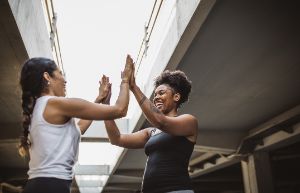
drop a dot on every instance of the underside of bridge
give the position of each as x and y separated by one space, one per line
243 60
245 67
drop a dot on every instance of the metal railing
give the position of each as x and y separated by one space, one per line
51 19
148 31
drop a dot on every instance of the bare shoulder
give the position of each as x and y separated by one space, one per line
56 100
191 120
65 106
188 117
62 101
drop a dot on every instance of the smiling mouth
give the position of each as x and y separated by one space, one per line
158 105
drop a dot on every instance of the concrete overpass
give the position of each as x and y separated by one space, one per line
243 59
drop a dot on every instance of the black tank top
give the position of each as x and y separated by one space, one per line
167 163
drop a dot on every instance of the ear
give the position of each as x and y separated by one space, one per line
176 97
46 76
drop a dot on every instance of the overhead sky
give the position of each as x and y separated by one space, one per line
95 37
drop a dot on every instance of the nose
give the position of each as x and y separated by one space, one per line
156 97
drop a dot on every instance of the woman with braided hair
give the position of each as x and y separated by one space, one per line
170 143
50 134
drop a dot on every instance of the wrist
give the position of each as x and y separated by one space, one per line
134 88
124 81
99 100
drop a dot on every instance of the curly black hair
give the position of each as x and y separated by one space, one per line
178 81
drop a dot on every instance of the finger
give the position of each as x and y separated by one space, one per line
127 58
133 68
107 79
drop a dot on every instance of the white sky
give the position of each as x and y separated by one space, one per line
95 37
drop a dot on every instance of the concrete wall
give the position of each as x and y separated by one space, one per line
32 25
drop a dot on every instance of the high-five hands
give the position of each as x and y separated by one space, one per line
128 70
104 90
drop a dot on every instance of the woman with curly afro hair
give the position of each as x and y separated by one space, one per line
170 142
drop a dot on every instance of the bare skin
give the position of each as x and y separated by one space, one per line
59 110
161 113
104 91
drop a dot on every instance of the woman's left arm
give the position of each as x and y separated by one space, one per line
183 125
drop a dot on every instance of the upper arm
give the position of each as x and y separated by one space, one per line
135 140
183 125
79 108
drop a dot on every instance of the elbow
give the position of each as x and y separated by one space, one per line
115 142
122 112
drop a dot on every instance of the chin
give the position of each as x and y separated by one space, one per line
162 110
63 94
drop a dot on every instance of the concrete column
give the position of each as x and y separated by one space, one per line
257 174
31 21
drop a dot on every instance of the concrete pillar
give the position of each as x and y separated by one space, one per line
257 174
31 21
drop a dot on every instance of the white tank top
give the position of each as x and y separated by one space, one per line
54 148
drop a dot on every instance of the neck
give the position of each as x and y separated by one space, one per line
172 113
47 94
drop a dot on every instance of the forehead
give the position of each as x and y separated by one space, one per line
57 70
57 73
162 87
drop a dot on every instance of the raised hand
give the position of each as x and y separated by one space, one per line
132 83
128 69
104 89
106 100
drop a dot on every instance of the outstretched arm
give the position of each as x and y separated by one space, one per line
132 140
60 109
104 92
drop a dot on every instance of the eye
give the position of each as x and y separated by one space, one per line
162 92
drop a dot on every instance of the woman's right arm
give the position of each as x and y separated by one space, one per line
132 140
79 108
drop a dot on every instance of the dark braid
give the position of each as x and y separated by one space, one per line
33 84
27 105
